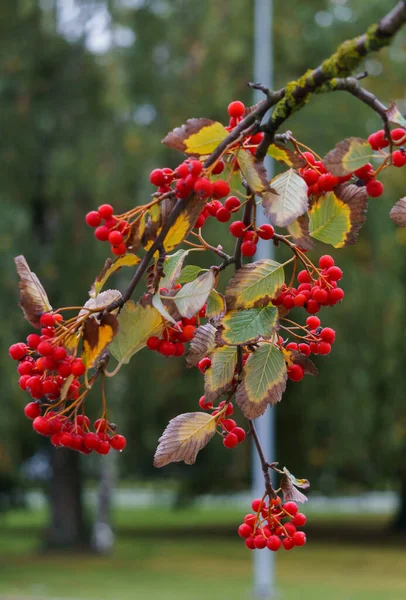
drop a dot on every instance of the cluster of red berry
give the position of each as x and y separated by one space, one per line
250 236
232 434
113 230
317 177
315 289
319 340
45 369
273 525
172 342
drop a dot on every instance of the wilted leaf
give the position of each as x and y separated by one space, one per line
97 336
202 344
304 361
218 378
348 156
184 223
287 200
395 116
184 436
135 235
216 305
398 213
110 267
299 230
136 324
189 273
65 388
253 172
304 484
33 298
255 284
290 493
243 326
190 299
101 301
337 217
263 381
286 155
172 268
196 136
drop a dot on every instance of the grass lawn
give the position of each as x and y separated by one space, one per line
200 568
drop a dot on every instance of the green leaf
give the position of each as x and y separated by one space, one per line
263 381
172 268
189 273
278 152
218 378
197 136
255 284
253 171
190 299
336 217
243 326
136 324
184 436
348 156
216 305
287 200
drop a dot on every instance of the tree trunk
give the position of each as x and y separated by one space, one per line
103 535
67 529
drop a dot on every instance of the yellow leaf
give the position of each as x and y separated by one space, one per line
184 436
96 337
197 136
253 171
218 378
278 152
110 267
255 284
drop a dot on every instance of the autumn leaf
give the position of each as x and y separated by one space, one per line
172 268
33 298
136 324
184 436
243 326
395 116
202 344
191 298
299 230
290 158
336 217
162 309
97 335
196 136
263 380
216 305
253 171
255 284
218 378
348 156
287 200
134 238
110 267
398 212
287 485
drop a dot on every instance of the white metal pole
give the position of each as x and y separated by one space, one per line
264 560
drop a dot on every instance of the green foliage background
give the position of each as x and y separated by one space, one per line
79 129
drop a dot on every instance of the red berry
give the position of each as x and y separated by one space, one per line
204 364
33 340
248 248
25 367
58 354
288 543
326 261
313 322
200 221
229 424
256 504
303 277
299 520
221 189
45 348
18 351
309 157
300 300
398 134
104 447
91 441
118 442
324 348
64 370
232 204
32 410
266 231
299 538
157 177
236 109
291 508
223 215
83 421
320 295
110 223
153 342
250 236
334 273
42 426
310 176
203 187
167 348
93 219
328 335
250 543
115 238
47 320
304 349
105 211
189 332
373 141
260 542
240 433
219 168
374 188
365 172
213 207
205 405
119 250
312 307
244 530
336 295
102 233
273 543
230 440
399 158
295 372
78 367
